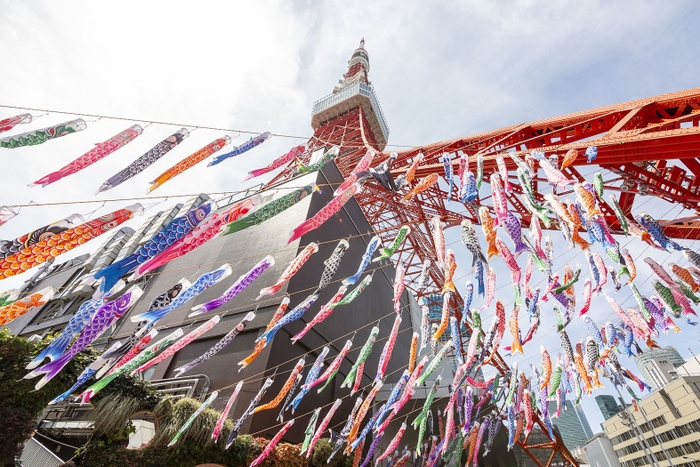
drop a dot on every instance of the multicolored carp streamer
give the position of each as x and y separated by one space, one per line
328 156
362 166
9 296
310 429
269 210
6 214
298 368
189 161
292 269
239 286
182 343
204 281
398 240
260 345
36 137
388 349
196 413
76 324
238 150
293 154
354 293
56 245
103 318
175 230
324 313
100 151
272 444
324 214
19 307
87 373
10 248
204 232
253 403
135 350
311 377
333 368
322 427
226 340
143 357
365 352
293 315
224 413
10 122
366 259
143 162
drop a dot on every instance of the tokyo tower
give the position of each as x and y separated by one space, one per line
651 145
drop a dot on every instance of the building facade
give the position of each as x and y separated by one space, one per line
600 453
241 251
659 366
608 405
572 424
669 419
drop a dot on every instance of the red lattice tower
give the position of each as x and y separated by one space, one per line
652 145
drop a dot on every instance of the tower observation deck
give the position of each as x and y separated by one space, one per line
353 91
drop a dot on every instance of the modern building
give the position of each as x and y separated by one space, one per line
667 419
600 453
658 366
242 250
572 424
608 405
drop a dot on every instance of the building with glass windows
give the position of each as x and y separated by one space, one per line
667 420
659 366
572 424
608 405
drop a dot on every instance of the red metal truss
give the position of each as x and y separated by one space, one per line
652 144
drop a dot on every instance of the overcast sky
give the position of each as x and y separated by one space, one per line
440 70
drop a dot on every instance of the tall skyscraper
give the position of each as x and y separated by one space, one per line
572 423
608 405
658 366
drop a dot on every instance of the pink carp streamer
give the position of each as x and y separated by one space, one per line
324 214
9 123
204 232
277 163
292 269
100 151
271 445
181 344
224 413
322 427
388 349
324 313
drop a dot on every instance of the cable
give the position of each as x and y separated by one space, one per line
157 122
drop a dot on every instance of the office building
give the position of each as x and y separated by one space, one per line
600 453
668 416
658 366
572 424
608 405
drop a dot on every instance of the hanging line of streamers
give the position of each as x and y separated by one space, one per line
148 158
237 151
55 245
654 315
175 230
190 161
281 161
100 151
35 137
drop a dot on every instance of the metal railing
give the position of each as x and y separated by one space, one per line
36 454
